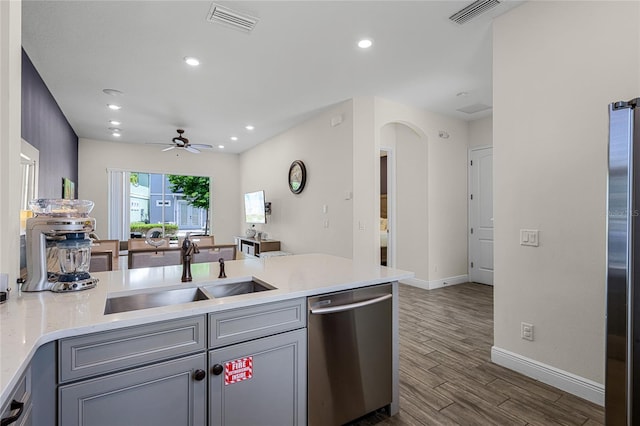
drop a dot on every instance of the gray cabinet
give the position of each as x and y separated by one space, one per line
161 374
18 409
167 393
153 374
243 324
34 394
110 351
260 382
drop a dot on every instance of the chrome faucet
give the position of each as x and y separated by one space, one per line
188 249
222 274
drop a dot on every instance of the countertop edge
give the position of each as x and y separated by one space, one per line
164 314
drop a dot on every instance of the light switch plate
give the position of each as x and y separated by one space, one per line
529 237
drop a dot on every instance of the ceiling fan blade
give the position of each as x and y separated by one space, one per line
201 146
169 148
192 149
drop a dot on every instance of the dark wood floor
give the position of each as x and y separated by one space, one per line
446 374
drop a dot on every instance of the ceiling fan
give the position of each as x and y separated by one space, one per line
183 143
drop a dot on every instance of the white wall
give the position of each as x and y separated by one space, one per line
95 157
431 186
366 182
442 234
409 219
481 132
297 220
10 130
557 65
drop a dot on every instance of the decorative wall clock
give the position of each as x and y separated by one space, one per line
297 176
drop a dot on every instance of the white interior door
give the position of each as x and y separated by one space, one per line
481 216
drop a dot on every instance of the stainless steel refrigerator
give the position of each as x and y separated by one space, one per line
622 383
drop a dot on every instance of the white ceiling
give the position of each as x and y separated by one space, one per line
300 58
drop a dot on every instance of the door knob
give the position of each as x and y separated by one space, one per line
217 369
199 375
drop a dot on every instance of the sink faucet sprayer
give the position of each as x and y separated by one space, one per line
222 274
188 249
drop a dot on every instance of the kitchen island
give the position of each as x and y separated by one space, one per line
29 321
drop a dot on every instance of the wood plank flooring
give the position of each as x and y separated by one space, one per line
446 374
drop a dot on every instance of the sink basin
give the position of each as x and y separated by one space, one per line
135 302
235 289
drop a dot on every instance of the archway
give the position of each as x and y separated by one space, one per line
405 230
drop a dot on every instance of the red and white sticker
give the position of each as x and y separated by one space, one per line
238 370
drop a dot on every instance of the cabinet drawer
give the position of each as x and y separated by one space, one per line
100 353
239 325
20 394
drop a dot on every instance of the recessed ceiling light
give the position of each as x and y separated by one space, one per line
115 129
190 60
234 138
112 92
114 107
365 43
116 134
115 122
221 146
249 127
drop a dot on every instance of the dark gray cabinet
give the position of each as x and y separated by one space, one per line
260 382
167 393
17 410
34 394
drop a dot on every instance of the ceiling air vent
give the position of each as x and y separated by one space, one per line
231 18
472 109
476 8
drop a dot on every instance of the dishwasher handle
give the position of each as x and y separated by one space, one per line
341 308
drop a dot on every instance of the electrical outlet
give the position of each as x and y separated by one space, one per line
526 331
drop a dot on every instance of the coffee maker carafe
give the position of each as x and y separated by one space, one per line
58 248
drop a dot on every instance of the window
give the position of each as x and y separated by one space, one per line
140 201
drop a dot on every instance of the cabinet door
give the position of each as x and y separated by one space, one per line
275 394
166 393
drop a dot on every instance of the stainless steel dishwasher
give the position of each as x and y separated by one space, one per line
350 359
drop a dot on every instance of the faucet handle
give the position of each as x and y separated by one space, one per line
222 274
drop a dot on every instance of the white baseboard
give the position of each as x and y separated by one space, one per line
430 285
563 380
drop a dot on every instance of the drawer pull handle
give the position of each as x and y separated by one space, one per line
15 405
217 369
199 375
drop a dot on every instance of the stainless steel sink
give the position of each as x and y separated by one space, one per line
235 289
135 302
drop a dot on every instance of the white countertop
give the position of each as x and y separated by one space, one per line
29 320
